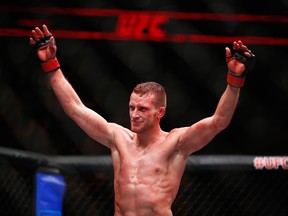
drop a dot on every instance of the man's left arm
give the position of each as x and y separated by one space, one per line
239 61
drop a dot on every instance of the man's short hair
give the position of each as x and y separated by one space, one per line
152 87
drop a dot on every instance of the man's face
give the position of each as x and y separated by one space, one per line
143 112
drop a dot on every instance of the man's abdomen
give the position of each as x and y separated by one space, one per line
142 199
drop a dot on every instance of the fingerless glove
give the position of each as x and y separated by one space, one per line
237 80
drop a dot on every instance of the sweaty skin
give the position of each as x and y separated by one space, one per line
147 176
148 162
146 179
148 168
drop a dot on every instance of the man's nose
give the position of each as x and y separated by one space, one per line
134 114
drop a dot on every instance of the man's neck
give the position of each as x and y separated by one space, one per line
149 137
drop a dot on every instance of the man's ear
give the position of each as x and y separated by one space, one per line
161 112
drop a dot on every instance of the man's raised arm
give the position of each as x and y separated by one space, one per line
91 122
239 61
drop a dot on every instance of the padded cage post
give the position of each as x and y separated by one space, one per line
49 192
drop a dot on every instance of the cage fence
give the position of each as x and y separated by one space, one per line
211 185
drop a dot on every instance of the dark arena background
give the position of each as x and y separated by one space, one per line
180 44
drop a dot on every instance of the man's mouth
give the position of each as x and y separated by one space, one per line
135 122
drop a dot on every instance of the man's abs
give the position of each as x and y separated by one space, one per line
141 200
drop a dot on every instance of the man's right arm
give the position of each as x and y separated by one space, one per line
91 122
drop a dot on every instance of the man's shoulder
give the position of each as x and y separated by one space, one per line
178 130
120 128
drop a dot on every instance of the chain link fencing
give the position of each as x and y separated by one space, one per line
211 185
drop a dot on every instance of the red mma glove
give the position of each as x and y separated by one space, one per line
45 46
237 79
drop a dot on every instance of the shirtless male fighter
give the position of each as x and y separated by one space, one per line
148 162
